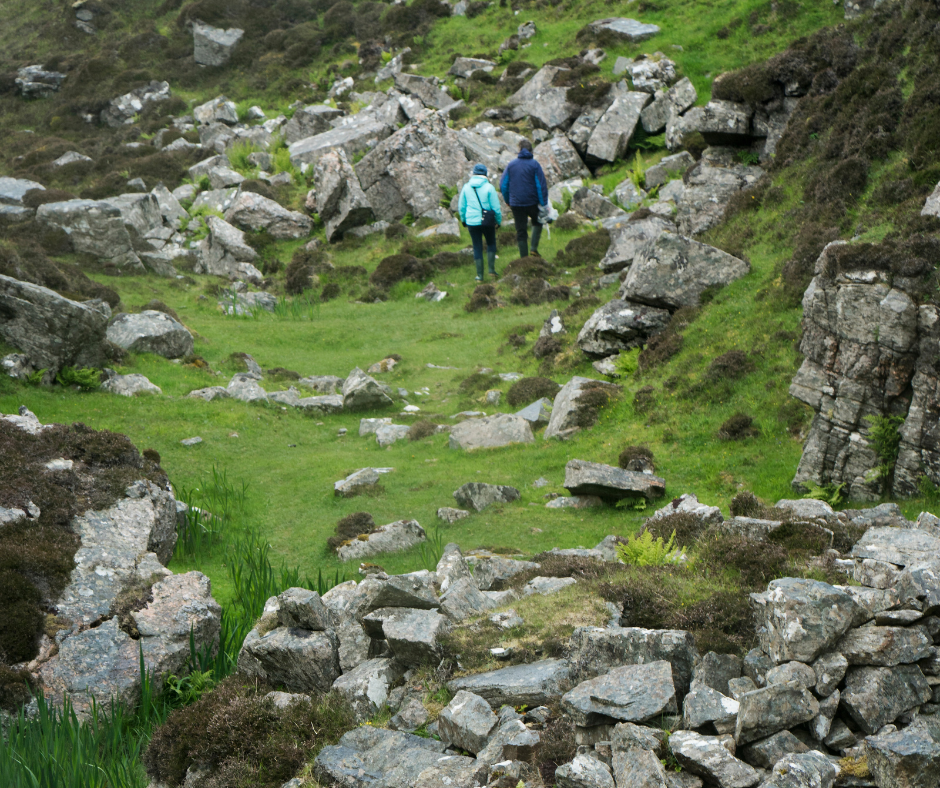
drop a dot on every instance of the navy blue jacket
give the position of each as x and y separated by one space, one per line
523 182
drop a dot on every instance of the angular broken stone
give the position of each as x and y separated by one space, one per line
467 722
706 706
632 693
491 432
821 724
463 599
799 672
635 767
583 772
707 757
716 670
491 574
300 607
803 770
365 688
908 758
800 619
771 709
512 741
413 635
901 546
361 392
764 753
830 670
874 696
300 660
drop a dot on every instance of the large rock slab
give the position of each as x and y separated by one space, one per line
709 186
404 173
900 546
299 659
610 483
624 29
213 46
392 538
801 619
673 271
873 697
95 228
251 211
352 138
595 650
535 684
632 693
708 757
619 325
150 331
341 203
50 329
491 432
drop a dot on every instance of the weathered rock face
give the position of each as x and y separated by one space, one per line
150 332
301 659
38 82
707 756
93 227
51 330
709 185
403 174
226 253
615 129
869 351
674 271
341 203
628 238
910 757
351 138
560 161
251 211
565 419
213 46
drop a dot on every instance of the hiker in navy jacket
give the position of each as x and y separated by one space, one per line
524 189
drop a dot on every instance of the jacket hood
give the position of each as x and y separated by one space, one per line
476 181
525 153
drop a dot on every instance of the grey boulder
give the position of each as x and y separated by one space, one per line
615 129
764 753
365 688
886 646
129 385
301 660
392 538
628 238
341 203
226 253
251 211
619 325
704 706
309 121
413 635
801 619
213 46
361 392
874 696
534 684
301 607
584 772
467 722
150 331
803 770
478 495
708 757
908 758
673 271
50 329
610 483
491 432
625 29
93 227
774 708
566 409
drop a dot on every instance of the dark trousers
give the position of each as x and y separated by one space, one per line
477 234
522 213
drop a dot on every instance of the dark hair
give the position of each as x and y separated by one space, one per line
525 145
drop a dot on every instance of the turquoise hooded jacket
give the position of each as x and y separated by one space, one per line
471 213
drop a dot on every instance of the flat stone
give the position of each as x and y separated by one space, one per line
575 502
886 646
632 693
610 483
627 29
687 503
534 684
799 672
150 332
547 585
584 772
492 574
897 546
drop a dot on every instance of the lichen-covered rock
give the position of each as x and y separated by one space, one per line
365 688
874 697
341 203
803 770
94 227
908 758
361 392
413 635
226 253
773 708
478 495
619 325
298 659
467 722
800 619
213 46
391 538
708 757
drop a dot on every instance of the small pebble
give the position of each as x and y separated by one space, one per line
191 441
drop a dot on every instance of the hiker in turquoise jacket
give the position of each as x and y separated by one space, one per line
481 215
